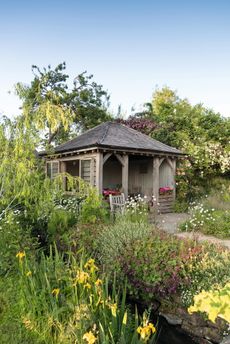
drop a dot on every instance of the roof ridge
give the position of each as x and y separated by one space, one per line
106 131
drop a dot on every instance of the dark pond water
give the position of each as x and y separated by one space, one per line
169 334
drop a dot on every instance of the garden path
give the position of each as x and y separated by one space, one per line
170 223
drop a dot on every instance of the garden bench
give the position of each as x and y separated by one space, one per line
117 203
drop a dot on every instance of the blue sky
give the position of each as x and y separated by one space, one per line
129 46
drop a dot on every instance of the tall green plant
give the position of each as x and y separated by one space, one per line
65 301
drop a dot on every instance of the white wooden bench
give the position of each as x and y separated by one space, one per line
117 203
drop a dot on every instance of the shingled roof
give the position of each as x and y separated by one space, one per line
117 136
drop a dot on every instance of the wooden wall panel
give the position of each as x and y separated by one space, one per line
112 174
139 181
166 175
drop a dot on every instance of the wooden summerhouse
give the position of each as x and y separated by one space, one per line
115 158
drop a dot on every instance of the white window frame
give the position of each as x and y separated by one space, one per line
80 166
51 162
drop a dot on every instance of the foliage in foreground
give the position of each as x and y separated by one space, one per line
158 265
216 303
66 301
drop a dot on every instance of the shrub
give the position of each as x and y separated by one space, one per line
80 237
160 266
13 236
59 225
208 220
204 267
136 209
93 208
113 240
152 266
71 203
214 302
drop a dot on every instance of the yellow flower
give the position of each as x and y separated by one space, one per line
113 307
82 277
55 292
81 312
20 255
90 262
124 321
89 337
29 273
27 323
88 286
91 265
145 332
98 282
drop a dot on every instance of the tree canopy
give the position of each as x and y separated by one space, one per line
58 110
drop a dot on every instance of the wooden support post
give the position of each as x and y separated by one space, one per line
92 172
174 177
125 175
99 172
156 178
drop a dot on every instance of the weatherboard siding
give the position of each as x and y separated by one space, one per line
140 177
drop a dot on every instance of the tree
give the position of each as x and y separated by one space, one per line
182 121
58 111
21 174
199 132
144 125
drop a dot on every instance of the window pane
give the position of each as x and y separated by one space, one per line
85 170
48 169
54 169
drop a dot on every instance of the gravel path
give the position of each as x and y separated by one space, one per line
170 223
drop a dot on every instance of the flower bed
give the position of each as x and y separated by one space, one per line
166 190
107 192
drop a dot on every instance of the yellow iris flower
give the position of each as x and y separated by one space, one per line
145 332
55 292
89 337
20 255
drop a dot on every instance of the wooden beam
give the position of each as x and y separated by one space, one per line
99 172
170 163
120 158
92 179
156 178
161 160
174 178
125 175
106 157
78 157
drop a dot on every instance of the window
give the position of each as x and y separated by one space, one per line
85 170
52 169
